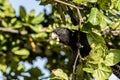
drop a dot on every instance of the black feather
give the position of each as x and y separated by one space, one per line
70 38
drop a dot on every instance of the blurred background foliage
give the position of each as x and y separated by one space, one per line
26 36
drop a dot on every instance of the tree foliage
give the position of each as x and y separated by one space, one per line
26 36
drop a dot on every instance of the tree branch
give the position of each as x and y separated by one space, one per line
10 30
14 31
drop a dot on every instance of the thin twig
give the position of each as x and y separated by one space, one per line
78 52
68 4
80 21
74 67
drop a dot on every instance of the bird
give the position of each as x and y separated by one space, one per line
70 38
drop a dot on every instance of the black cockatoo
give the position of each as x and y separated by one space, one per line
70 38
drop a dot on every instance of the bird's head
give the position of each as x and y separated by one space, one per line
62 35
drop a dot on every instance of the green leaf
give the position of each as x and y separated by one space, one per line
36 28
3 67
113 57
115 25
2 1
93 17
22 13
89 70
16 59
59 74
98 52
22 52
79 72
15 49
45 2
105 68
101 74
87 28
38 19
104 21
32 13
31 16
39 35
93 1
18 24
13 20
35 72
117 5
93 38
79 1
21 68
104 4
61 8
4 24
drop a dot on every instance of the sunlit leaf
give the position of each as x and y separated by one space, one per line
18 24
115 25
20 68
60 74
32 13
93 1
89 70
38 19
3 67
22 52
39 35
4 24
97 53
104 21
105 68
13 20
2 1
117 5
93 17
36 28
79 1
113 57
101 74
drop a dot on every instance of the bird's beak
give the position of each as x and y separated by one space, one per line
54 36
